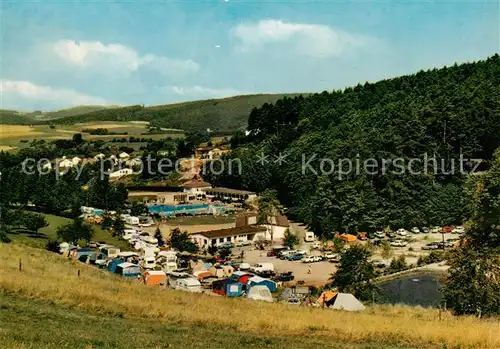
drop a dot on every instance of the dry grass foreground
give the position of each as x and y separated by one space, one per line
48 276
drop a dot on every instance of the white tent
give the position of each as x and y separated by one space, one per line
260 293
346 301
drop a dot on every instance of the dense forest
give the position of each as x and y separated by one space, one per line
446 114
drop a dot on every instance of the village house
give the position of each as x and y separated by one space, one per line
222 236
279 224
209 152
123 156
195 189
121 173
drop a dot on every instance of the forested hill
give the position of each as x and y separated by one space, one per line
220 115
442 113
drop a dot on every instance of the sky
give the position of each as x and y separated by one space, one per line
57 54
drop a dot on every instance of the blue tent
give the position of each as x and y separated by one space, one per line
113 265
228 287
128 270
257 280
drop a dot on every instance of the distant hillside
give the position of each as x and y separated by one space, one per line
220 115
40 117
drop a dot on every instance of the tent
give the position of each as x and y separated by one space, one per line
221 270
112 265
340 301
228 287
260 293
128 270
348 238
258 281
154 277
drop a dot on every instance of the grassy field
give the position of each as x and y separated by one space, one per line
27 323
49 277
19 136
49 233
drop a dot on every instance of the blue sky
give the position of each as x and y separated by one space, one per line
63 53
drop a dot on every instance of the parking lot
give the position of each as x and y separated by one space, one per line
320 272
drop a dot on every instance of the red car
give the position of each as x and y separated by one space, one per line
447 229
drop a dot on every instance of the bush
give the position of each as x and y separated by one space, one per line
53 246
433 257
4 237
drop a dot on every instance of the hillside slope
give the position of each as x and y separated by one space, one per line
220 115
49 277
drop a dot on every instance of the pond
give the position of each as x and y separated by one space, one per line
423 290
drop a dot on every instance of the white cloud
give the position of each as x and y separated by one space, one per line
313 40
15 93
203 92
96 55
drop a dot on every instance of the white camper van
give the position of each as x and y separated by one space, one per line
309 236
132 220
262 267
188 284
148 262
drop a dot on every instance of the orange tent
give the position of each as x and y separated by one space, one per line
326 297
348 238
154 277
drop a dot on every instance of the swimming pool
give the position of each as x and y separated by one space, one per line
172 210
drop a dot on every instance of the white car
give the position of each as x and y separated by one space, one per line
415 230
331 256
309 259
402 232
380 234
435 230
399 243
458 230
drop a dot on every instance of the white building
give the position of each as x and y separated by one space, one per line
133 162
278 224
123 156
121 173
195 189
76 160
222 236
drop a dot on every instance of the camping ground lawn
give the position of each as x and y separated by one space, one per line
49 233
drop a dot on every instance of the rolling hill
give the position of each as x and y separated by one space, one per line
55 301
219 115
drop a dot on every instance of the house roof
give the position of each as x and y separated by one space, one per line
280 221
207 148
231 231
229 191
196 184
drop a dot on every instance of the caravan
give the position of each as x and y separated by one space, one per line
188 284
132 220
309 236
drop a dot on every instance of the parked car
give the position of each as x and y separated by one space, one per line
415 230
402 232
425 230
284 254
283 277
458 230
332 257
309 259
435 229
447 229
380 234
295 257
399 243
242 243
431 246
226 245
392 235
